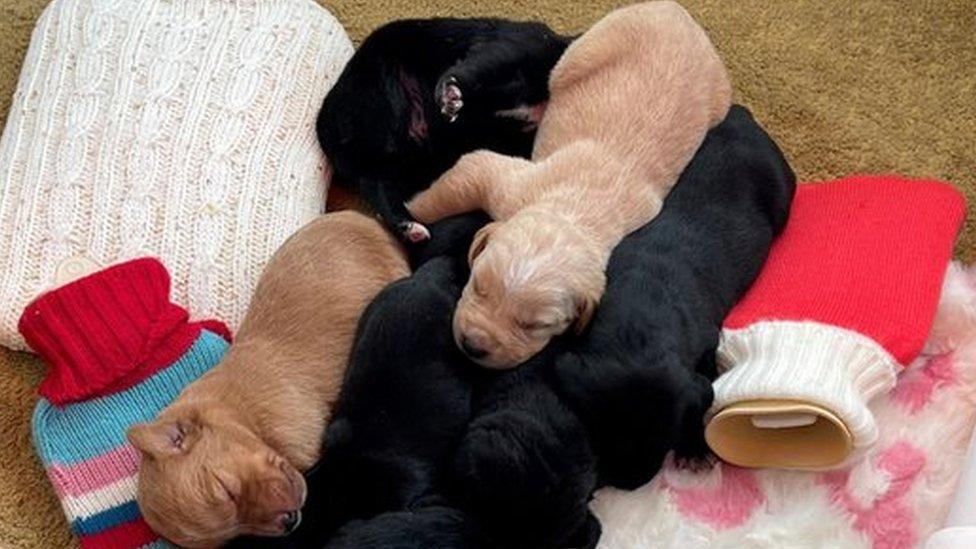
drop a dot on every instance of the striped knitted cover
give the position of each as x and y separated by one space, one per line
118 352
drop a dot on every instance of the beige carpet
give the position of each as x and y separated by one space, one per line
866 86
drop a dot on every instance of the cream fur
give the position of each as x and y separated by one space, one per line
631 101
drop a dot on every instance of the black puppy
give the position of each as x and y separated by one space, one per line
394 120
525 470
640 378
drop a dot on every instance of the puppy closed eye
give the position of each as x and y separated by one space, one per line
224 490
536 325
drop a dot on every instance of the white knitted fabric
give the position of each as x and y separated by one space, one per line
182 129
840 370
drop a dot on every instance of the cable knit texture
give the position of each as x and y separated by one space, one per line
846 299
182 129
118 351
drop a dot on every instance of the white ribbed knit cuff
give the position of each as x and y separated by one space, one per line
837 369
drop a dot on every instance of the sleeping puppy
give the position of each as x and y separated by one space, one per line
630 102
394 120
225 458
524 469
640 378
405 402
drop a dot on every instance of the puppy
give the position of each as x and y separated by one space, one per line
394 120
630 103
226 457
525 469
640 378
405 402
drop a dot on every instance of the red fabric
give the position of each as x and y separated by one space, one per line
130 534
108 331
865 253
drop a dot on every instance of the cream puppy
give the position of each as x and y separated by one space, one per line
630 102
225 458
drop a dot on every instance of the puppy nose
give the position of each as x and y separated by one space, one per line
471 349
289 521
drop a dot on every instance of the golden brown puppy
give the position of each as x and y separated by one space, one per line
630 102
226 457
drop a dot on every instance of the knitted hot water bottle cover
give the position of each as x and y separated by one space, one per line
179 129
118 351
846 299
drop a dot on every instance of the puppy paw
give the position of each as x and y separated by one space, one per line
413 232
449 97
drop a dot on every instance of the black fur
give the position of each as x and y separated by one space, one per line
368 125
525 469
640 377
426 528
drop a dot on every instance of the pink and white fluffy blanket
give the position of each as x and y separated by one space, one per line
894 499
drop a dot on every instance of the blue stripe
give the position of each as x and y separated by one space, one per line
108 518
77 432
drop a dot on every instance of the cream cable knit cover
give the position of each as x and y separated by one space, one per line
182 129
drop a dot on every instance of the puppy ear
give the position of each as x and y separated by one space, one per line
480 240
165 438
585 307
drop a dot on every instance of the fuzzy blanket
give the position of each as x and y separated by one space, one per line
893 499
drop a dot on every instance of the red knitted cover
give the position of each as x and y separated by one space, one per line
108 331
865 253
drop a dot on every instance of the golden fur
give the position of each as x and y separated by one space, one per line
630 102
226 457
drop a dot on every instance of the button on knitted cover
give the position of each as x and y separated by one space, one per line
182 129
118 352
846 299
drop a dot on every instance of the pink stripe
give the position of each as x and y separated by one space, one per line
78 478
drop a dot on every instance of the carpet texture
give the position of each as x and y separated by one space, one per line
845 87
